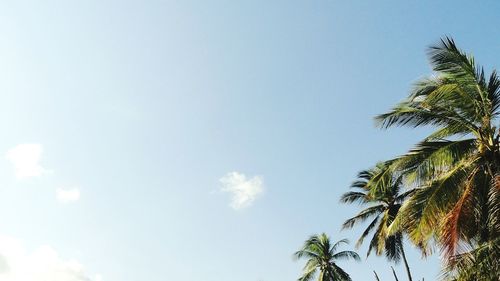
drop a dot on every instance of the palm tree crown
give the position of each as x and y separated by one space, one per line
456 169
322 256
384 201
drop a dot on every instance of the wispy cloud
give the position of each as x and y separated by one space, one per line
26 160
67 195
244 191
44 263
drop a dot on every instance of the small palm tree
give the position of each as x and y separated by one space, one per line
380 190
322 256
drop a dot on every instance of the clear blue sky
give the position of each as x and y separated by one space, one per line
132 112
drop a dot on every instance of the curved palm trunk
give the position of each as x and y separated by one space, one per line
406 262
394 273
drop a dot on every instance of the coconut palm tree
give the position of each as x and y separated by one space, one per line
383 203
321 257
457 167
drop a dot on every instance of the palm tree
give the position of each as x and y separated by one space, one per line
384 202
457 167
322 256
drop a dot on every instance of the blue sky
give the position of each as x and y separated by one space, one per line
203 140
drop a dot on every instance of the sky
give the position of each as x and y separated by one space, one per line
204 140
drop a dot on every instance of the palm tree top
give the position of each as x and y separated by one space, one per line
380 190
457 97
322 256
456 168
456 164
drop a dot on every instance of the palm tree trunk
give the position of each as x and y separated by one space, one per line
331 275
406 262
394 273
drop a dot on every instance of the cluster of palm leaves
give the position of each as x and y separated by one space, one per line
444 193
322 256
384 205
451 178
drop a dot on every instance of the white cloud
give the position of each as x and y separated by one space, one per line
26 160
68 195
244 192
42 264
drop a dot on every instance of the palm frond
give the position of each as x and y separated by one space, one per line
354 197
429 159
340 274
366 232
494 93
393 247
338 244
362 216
346 255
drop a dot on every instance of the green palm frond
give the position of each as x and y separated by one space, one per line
392 247
377 243
363 215
494 93
428 159
417 114
354 197
337 244
308 275
346 255
339 274
367 231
